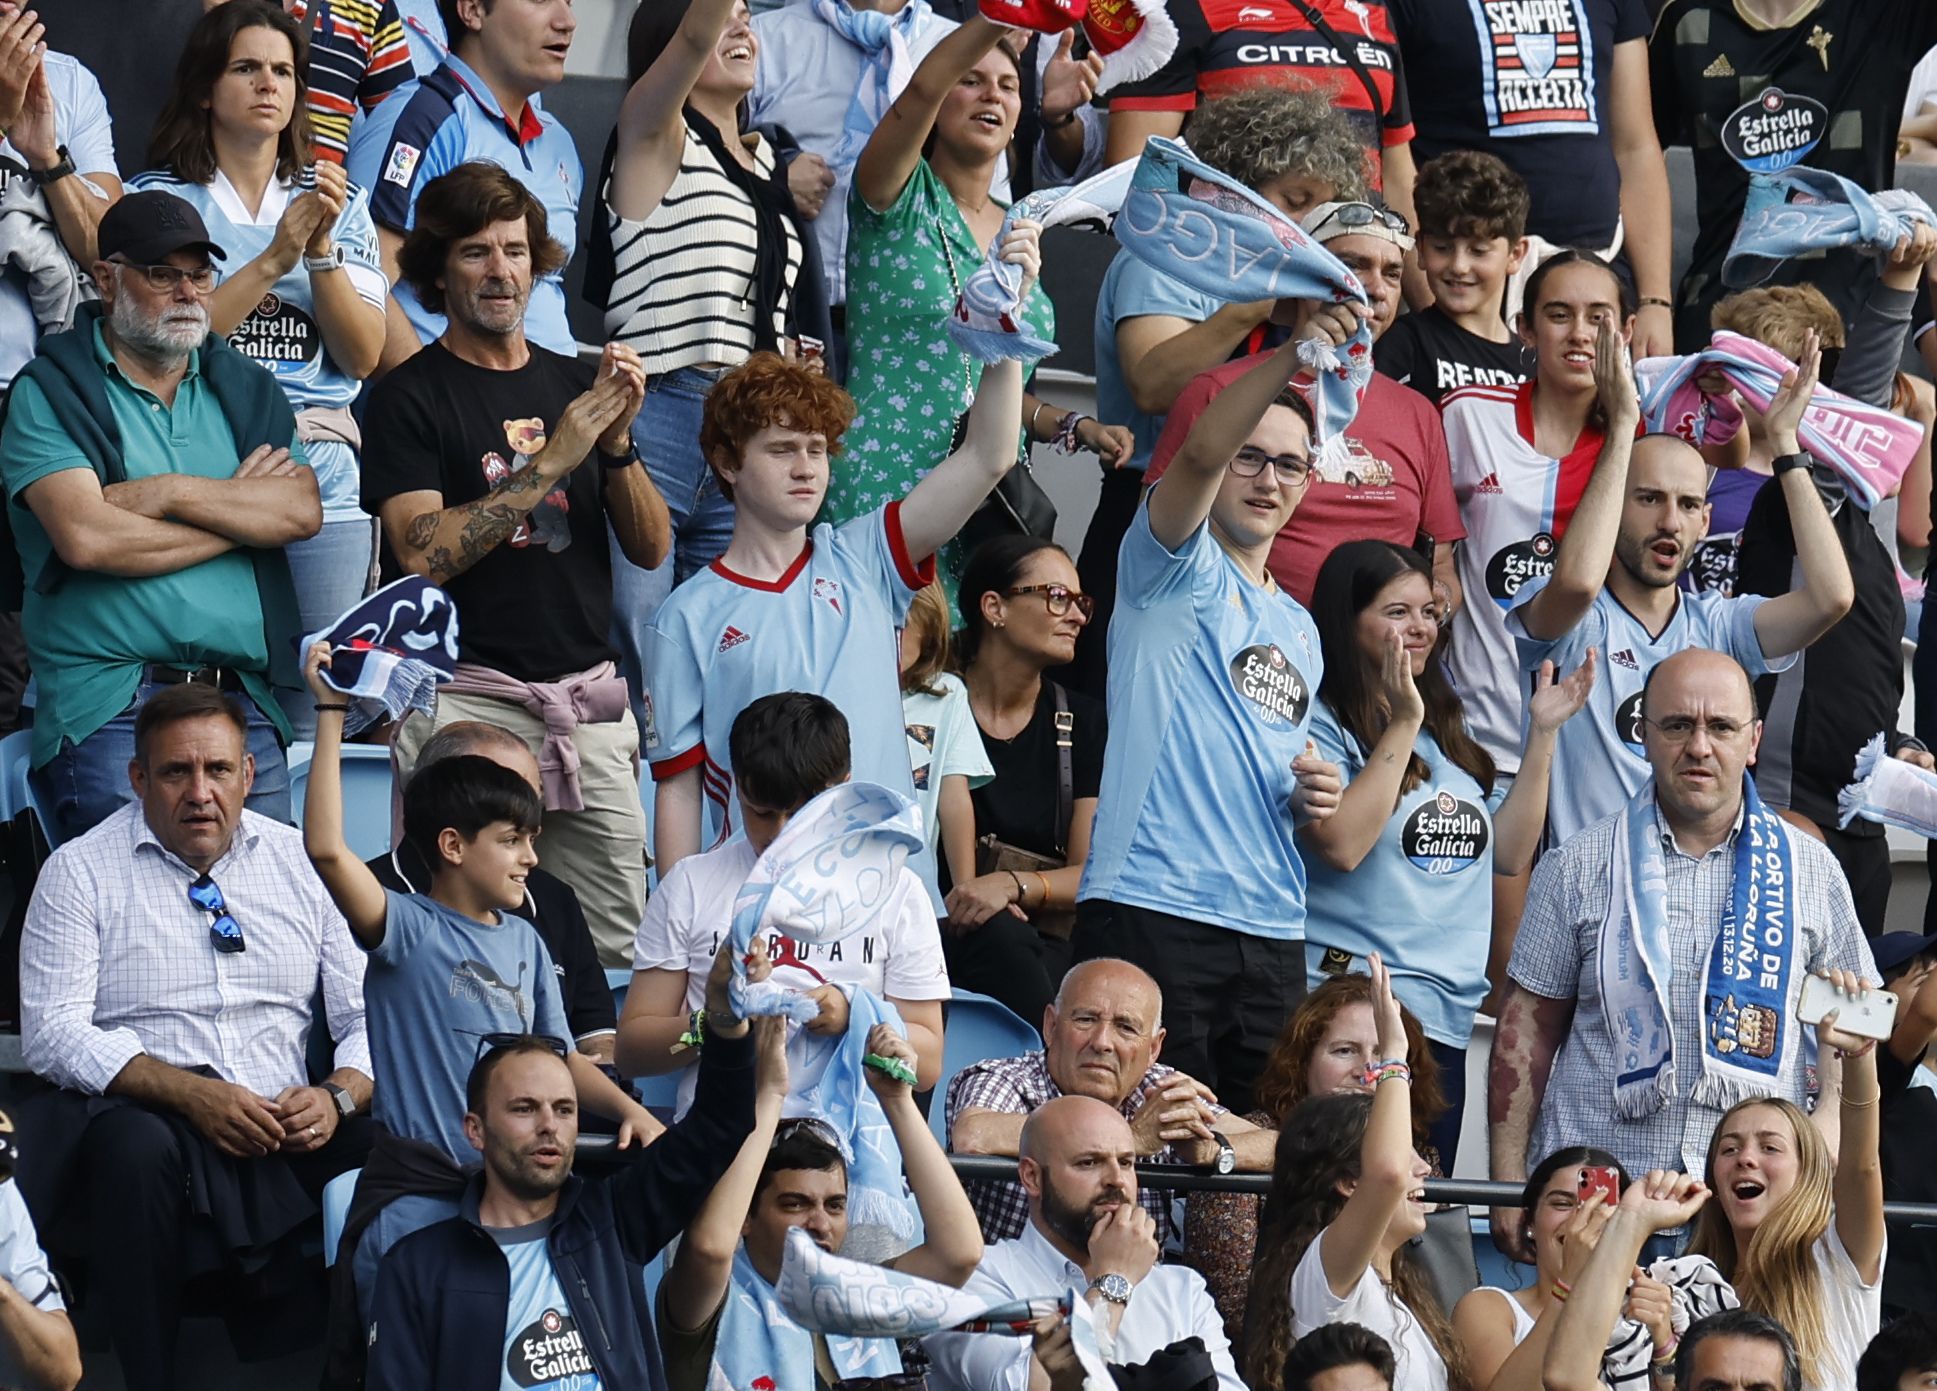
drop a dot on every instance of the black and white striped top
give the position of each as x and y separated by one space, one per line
683 284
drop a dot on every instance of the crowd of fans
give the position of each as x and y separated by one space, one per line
1511 709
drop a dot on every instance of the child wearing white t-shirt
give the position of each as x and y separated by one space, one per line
787 749
944 744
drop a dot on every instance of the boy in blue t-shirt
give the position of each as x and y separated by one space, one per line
449 970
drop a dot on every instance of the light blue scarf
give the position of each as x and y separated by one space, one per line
1801 210
759 1348
1749 1041
832 1295
1205 229
828 876
890 63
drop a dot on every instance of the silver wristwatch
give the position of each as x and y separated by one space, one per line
345 1103
1113 1287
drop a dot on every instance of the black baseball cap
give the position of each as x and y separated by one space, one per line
1894 949
146 227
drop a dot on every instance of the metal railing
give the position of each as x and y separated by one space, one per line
1477 1193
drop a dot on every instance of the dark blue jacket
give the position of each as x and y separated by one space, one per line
444 1292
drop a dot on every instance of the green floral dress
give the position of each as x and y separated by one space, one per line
909 381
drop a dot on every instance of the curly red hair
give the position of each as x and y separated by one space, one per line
768 389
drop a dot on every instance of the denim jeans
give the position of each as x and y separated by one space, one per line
331 571
667 435
88 782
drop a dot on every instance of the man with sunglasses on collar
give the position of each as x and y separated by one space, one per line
1393 481
168 966
539 1281
153 477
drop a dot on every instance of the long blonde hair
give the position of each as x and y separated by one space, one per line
1776 1274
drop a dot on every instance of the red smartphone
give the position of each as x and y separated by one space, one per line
1604 1179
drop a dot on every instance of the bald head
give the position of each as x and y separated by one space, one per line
1701 736
1077 1162
1104 1030
484 740
1665 513
1066 1124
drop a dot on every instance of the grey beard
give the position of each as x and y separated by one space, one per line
148 338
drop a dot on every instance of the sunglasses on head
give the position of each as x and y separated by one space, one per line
225 933
491 1043
812 1125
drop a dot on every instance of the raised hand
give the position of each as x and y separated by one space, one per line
1581 1233
1651 1304
1069 83
1791 400
331 193
622 364
1853 986
1319 787
316 661
720 1018
1613 377
1123 1242
1023 247
1665 1199
1387 1016
884 1042
1554 703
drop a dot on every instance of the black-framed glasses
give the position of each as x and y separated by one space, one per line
223 930
165 277
1360 214
1058 596
1679 729
491 1043
1292 470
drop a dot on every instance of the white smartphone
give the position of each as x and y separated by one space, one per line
1872 1016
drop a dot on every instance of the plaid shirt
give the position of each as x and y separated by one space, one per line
1557 955
1017 1086
116 962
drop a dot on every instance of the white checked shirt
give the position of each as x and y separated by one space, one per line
1557 956
1166 1306
116 962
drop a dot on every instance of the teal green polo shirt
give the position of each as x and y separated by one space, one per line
90 638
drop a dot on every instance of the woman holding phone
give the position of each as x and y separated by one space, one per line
1566 1203
302 289
1798 1233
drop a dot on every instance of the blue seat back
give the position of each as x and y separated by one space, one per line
979 1028
336 1208
366 795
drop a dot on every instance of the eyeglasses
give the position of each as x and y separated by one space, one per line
812 1125
1292 470
491 1043
223 930
166 278
1679 729
1058 597
1359 214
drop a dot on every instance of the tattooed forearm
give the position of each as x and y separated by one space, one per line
453 539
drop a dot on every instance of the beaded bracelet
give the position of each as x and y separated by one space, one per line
1381 1072
1666 1355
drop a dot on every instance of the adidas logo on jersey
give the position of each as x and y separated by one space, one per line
1489 484
1625 658
1721 67
732 637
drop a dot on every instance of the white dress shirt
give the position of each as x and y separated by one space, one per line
115 961
1166 1306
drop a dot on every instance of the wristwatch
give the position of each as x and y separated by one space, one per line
1789 463
345 1103
62 167
613 462
317 265
1113 1287
1227 1158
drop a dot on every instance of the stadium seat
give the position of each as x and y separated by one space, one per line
366 795
978 1027
15 751
336 1209
618 979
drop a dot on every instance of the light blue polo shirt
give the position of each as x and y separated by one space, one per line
1212 680
89 638
430 126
